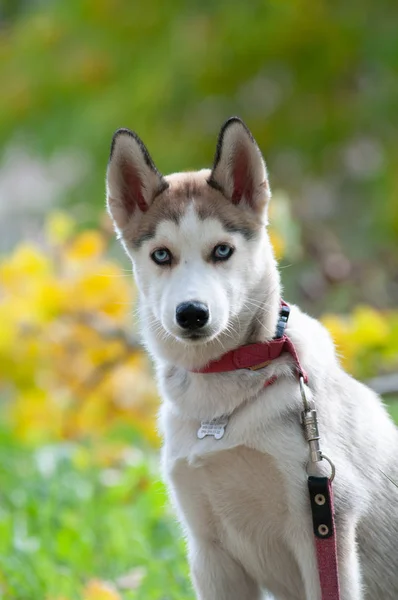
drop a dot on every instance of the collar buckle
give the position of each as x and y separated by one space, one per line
282 321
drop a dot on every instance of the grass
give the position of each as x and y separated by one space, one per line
65 522
72 514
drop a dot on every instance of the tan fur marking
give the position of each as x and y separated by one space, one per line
172 203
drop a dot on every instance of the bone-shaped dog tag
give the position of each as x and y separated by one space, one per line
215 427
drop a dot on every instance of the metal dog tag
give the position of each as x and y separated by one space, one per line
215 427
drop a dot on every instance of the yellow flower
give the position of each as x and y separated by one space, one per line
36 417
47 301
370 327
59 365
340 329
103 289
26 265
8 327
278 243
105 351
96 414
100 590
59 227
87 246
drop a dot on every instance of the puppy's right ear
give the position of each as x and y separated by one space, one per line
132 180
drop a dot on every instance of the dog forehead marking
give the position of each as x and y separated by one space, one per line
192 235
186 189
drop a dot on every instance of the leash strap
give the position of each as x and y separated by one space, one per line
321 497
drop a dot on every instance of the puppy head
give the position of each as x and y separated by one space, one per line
198 243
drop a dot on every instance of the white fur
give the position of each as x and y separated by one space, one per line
243 499
223 288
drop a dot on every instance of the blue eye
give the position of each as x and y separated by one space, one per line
222 252
162 256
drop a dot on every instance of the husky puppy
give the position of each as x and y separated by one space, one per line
208 283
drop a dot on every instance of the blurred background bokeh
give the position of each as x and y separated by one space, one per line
82 514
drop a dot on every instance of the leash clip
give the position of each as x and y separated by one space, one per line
309 420
282 321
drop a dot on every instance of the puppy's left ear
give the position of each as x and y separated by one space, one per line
239 171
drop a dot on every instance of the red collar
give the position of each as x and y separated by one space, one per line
259 355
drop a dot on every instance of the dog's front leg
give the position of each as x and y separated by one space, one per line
303 547
348 559
217 576
301 543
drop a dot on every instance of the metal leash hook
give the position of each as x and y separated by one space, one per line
309 421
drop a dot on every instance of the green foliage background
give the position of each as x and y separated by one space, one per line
316 83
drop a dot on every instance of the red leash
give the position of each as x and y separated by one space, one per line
259 355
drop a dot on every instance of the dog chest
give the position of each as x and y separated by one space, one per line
240 483
238 497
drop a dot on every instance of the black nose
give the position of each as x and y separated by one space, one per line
192 315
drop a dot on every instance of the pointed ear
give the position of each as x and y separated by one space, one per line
132 180
239 171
